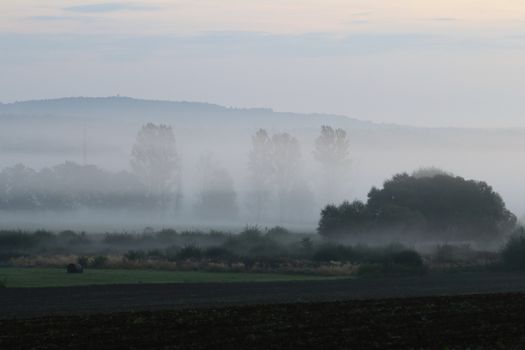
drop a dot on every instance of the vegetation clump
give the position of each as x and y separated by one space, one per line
428 207
513 253
252 250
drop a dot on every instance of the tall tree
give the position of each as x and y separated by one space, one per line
286 155
154 158
332 151
261 171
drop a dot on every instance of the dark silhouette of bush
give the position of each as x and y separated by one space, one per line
99 261
16 240
189 252
513 253
240 244
135 255
448 253
390 261
348 217
171 252
278 233
334 252
167 235
18 243
83 260
156 254
213 237
373 260
306 246
371 269
433 207
250 232
408 258
252 242
219 254
266 248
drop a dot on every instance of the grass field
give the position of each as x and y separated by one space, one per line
50 277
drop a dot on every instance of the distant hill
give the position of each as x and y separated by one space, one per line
189 114
125 115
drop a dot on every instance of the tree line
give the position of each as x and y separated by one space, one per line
276 185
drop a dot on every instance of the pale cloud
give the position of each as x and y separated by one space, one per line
457 62
239 44
183 17
444 19
109 7
63 18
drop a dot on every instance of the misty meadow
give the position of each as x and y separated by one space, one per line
175 193
119 163
262 174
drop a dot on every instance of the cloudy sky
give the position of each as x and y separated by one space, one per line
419 62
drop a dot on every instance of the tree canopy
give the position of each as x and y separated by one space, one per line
440 206
155 160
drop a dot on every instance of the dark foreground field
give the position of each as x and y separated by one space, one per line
395 312
31 302
492 321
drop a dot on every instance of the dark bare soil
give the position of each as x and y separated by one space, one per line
32 302
493 321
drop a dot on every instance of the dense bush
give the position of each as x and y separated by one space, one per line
332 252
171 252
99 261
135 255
393 262
371 269
16 243
513 253
83 261
16 240
252 249
346 218
278 233
389 255
219 254
433 207
449 253
250 241
306 246
166 235
156 254
408 258
189 252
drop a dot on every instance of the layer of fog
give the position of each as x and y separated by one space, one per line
375 154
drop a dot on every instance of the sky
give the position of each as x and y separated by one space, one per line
425 63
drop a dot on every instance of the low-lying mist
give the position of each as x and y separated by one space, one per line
96 165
